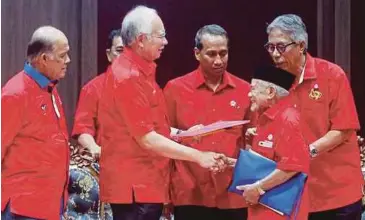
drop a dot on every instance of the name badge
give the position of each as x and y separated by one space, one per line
267 144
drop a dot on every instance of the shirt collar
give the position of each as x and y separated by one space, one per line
309 68
200 80
37 76
146 67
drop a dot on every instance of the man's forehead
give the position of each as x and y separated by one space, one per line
117 41
61 46
258 82
276 35
214 42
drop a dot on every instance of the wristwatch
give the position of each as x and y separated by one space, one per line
313 151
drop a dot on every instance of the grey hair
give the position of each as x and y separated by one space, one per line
280 91
292 25
43 41
137 21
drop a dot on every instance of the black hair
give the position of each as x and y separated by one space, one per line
112 34
212 29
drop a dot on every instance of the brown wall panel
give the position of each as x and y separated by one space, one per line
77 19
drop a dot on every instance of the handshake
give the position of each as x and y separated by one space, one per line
215 162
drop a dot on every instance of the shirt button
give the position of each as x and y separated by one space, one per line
295 105
213 142
213 109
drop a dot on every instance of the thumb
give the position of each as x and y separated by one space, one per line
242 187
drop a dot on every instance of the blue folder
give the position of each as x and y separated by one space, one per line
251 167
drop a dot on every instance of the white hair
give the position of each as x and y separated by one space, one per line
292 25
137 21
280 91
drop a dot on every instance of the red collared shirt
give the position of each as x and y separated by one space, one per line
191 102
132 106
279 138
86 120
326 103
35 152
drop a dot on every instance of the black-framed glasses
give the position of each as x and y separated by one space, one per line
281 48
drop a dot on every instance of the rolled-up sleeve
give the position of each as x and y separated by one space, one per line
86 113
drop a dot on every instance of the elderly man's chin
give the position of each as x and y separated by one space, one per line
62 74
254 107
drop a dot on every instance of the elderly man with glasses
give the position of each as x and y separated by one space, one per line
328 120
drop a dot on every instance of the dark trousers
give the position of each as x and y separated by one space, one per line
191 212
349 212
137 211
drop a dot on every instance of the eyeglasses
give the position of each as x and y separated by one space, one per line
281 48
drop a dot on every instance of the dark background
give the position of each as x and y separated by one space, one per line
245 22
335 28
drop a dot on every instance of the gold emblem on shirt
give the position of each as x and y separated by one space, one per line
315 94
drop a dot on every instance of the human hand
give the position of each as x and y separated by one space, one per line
250 193
215 162
230 162
95 151
251 132
196 127
197 139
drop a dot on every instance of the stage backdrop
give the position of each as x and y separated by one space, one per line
245 21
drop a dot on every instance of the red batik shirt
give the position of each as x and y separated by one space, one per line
326 103
279 138
34 146
191 102
86 117
132 106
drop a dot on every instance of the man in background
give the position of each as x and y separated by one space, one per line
87 126
204 96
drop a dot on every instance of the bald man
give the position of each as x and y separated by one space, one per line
35 152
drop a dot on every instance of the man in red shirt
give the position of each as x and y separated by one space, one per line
134 164
328 118
34 138
278 138
206 95
86 125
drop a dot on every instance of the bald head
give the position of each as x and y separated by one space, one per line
48 52
43 41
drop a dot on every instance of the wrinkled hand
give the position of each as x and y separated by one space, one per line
196 127
95 151
251 132
250 193
230 162
213 161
